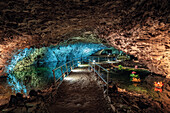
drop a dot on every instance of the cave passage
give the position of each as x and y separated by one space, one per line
131 37
79 92
32 68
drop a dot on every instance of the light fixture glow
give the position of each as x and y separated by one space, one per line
72 78
68 78
78 70
79 63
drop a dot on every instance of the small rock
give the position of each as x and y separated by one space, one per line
120 105
113 108
32 104
135 107
13 101
33 93
8 109
19 96
78 105
109 99
30 110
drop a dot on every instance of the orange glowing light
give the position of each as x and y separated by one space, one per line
110 86
136 79
158 84
158 89
135 84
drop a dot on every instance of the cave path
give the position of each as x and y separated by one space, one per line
79 93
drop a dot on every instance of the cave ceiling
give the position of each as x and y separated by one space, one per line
137 27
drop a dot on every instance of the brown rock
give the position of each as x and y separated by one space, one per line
127 25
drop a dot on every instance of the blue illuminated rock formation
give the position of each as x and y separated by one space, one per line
29 63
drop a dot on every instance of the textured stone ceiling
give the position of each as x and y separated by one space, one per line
137 27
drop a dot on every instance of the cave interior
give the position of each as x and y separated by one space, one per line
128 38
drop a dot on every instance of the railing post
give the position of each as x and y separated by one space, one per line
63 75
67 69
98 59
107 82
61 70
99 70
81 60
54 76
70 66
94 68
89 65
77 62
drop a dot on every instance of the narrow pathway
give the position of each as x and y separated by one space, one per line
79 93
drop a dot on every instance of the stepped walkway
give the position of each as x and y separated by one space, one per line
79 93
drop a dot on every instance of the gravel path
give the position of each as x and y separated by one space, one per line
79 93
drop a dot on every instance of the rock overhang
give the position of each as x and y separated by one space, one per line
139 28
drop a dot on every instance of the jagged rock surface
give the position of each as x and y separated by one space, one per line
140 28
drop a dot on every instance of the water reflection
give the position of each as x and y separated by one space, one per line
122 78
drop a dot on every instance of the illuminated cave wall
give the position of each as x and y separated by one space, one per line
33 67
137 27
60 54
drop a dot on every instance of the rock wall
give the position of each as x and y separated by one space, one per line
143 31
137 27
32 68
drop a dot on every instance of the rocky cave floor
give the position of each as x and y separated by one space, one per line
78 93
122 101
138 28
131 102
126 100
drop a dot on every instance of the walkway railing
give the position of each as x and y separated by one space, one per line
66 68
97 69
103 58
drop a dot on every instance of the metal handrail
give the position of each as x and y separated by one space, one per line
98 73
63 73
61 65
72 65
108 57
101 67
68 62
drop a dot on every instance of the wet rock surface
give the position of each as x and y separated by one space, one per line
139 28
